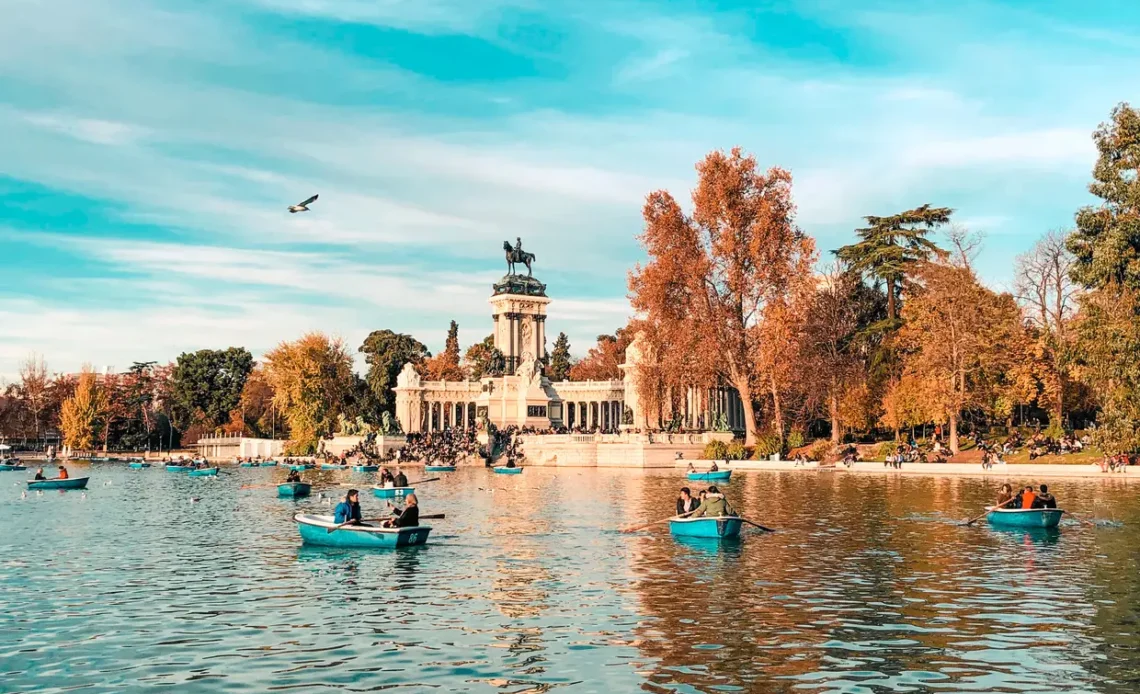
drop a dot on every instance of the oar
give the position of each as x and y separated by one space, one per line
643 527
433 479
433 516
984 513
765 529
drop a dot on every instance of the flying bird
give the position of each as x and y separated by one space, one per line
302 207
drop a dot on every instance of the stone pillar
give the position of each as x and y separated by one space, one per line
409 400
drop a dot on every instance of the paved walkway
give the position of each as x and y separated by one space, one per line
1021 472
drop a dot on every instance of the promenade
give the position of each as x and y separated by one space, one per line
1017 471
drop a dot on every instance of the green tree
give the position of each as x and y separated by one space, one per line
889 247
560 361
386 352
138 394
484 359
206 385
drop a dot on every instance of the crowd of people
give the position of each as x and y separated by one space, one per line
446 447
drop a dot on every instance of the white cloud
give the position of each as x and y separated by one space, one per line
93 130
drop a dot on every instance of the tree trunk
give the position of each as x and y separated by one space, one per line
891 298
777 410
833 408
745 391
954 433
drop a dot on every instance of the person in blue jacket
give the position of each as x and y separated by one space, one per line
348 511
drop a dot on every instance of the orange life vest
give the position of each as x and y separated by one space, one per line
1027 499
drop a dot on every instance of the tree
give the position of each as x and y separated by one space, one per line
1109 334
445 365
386 353
560 361
484 359
33 389
311 378
255 416
206 385
138 398
710 275
960 337
602 362
1049 296
82 413
890 247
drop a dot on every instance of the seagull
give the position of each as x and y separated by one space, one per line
195 499
302 207
23 495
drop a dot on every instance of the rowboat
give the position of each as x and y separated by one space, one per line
718 476
507 470
249 465
301 467
365 468
392 492
333 466
723 527
13 467
1024 518
439 468
269 463
138 466
204 472
294 490
315 531
178 468
71 483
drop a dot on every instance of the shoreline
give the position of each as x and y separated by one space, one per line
1014 471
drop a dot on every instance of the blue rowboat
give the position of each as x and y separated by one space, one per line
294 490
439 468
138 466
302 467
315 531
249 465
204 472
392 492
99 460
722 527
718 476
73 483
13 467
269 463
366 468
178 468
333 466
507 470
1025 518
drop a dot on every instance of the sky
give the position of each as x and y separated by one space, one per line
149 150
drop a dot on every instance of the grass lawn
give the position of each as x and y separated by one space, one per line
1085 457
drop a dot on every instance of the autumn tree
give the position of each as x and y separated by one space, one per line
958 337
81 414
890 247
484 359
33 389
311 378
560 360
713 272
603 360
255 414
386 352
445 365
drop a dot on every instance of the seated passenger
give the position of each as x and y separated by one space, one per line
714 505
1005 496
409 517
294 476
62 472
1045 499
1027 497
686 503
40 474
348 511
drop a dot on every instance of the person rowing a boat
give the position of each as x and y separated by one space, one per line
713 505
294 476
1045 499
407 517
1004 496
686 503
386 479
348 511
40 474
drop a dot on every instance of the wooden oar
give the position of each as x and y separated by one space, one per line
643 527
765 529
984 513
433 479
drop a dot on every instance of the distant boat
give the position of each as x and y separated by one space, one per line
70 483
269 463
250 465
718 476
439 468
138 466
300 467
507 470
1025 518
294 490
366 468
6 466
333 466
392 492
717 527
315 530
204 472
178 468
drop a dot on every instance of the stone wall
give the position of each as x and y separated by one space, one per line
614 450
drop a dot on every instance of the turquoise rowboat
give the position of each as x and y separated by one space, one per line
269 463
293 490
507 470
250 465
332 466
439 468
392 492
315 531
178 468
722 527
204 472
13 467
74 483
302 467
366 468
718 476
138 466
1025 518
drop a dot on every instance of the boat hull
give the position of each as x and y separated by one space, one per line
249 465
75 483
300 468
269 463
315 531
178 468
294 490
327 466
508 470
392 492
723 527
138 466
439 468
718 476
204 472
1025 518
13 467
366 468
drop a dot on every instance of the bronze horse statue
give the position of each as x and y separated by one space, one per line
518 255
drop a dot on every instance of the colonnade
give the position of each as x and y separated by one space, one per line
449 415
594 414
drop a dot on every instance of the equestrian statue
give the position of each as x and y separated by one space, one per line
518 255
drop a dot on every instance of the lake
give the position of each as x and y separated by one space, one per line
869 585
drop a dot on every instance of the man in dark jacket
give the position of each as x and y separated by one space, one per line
686 503
1045 499
409 517
401 478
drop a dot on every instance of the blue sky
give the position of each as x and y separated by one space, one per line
148 150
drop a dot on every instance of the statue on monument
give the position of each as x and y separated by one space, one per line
518 255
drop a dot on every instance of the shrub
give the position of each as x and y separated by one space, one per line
819 450
795 439
886 448
715 450
766 445
735 451
1054 430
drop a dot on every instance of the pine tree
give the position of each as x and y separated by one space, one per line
560 361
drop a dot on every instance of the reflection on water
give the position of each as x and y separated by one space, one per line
870 585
